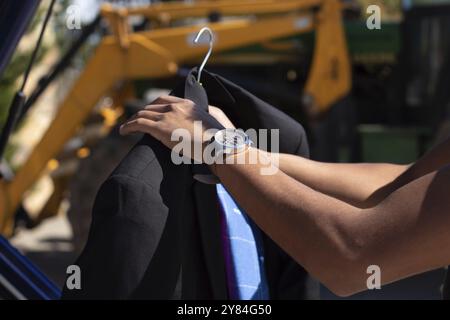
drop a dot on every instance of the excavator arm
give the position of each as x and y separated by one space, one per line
157 54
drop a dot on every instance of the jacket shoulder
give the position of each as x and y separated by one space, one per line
140 163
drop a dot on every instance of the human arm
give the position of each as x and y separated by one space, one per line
353 183
360 184
404 234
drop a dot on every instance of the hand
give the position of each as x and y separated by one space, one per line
166 114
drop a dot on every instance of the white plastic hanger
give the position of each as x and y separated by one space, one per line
211 41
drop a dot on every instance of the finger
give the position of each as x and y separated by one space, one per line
149 114
166 99
158 107
152 109
144 113
138 125
154 113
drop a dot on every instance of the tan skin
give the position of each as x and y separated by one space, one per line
336 219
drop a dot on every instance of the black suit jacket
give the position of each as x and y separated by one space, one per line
155 231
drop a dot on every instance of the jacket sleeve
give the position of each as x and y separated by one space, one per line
128 219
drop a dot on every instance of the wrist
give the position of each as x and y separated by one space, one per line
243 157
225 142
224 146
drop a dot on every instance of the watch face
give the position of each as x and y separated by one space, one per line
232 138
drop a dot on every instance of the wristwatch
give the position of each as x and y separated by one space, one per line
229 141
224 142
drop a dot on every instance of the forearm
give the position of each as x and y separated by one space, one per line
336 241
349 182
309 225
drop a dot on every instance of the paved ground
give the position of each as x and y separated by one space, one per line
48 246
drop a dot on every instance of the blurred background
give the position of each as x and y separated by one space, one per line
363 93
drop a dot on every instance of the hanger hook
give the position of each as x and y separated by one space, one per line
211 40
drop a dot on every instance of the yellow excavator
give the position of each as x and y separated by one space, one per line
125 56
